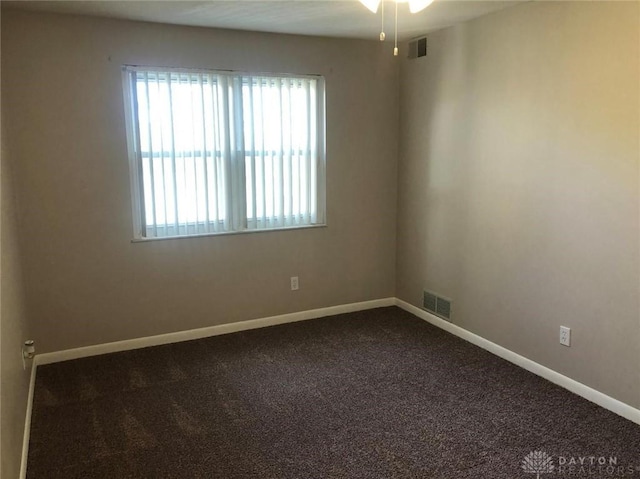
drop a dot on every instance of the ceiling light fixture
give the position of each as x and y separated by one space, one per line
414 7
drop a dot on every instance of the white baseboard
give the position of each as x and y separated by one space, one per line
27 423
580 389
572 385
179 336
126 345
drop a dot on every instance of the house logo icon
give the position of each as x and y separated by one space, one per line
538 462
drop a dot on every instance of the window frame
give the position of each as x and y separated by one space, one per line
239 198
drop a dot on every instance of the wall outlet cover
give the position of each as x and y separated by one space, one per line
565 336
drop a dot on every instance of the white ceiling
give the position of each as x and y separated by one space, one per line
334 18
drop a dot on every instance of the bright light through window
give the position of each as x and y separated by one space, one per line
216 152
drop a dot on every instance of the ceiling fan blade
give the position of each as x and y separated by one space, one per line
417 5
371 4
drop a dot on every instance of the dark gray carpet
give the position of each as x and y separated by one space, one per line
374 394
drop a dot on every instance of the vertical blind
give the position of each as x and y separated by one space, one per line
215 152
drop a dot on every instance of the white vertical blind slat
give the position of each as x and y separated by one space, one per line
204 156
174 180
252 139
226 150
263 218
162 155
307 153
274 158
150 197
313 144
216 147
191 183
281 153
132 125
300 161
292 212
238 151
184 219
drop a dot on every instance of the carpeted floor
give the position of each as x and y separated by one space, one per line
374 394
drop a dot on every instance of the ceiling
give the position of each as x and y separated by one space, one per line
334 18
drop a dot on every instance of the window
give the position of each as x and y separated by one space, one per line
216 152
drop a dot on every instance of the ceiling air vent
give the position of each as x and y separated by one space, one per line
436 304
418 48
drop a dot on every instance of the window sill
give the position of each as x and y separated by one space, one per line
227 233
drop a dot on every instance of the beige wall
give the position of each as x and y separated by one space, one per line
86 282
14 329
518 184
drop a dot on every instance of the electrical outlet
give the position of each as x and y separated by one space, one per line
565 336
28 352
294 283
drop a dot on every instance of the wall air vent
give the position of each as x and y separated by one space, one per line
429 301
418 48
436 304
443 308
